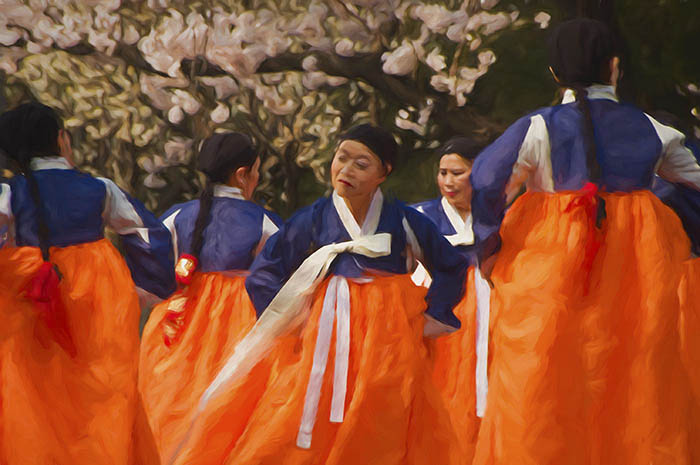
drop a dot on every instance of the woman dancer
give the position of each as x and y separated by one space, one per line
69 364
355 387
588 345
454 357
188 335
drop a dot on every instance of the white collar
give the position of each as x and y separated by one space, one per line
463 227
596 91
49 163
369 226
222 190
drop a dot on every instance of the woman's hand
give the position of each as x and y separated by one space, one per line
434 328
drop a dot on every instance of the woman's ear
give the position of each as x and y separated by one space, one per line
241 175
615 70
65 148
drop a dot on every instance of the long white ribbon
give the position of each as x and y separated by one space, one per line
288 305
336 305
465 236
342 351
483 310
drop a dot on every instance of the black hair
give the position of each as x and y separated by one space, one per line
28 131
580 51
465 147
220 155
378 140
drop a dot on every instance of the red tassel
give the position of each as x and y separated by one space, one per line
184 268
589 201
43 290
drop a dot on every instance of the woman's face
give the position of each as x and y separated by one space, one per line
453 180
356 171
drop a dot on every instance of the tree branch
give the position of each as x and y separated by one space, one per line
366 67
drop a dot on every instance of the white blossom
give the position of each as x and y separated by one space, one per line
220 114
344 48
175 115
310 63
225 86
438 18
400 61
487 58
435 60
186 101
488 23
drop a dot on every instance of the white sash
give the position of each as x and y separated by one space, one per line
289 305
483 310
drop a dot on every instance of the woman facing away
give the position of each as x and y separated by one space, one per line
454 357
69 361
590 334
217 237
353 385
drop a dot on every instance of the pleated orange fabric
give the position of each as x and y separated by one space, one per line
588 377
218 313
453 360
393 414
689 324
64 410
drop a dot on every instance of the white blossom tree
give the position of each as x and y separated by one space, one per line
141 83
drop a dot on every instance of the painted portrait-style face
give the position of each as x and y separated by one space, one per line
453 180
356 171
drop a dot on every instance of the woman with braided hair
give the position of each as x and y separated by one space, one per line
217 237
590 335
68 366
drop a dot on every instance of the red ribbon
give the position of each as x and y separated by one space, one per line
588 200
185 267
44 292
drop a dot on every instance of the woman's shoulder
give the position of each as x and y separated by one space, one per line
428 206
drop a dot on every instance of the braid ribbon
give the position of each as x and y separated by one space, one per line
43 290
176 315
594 208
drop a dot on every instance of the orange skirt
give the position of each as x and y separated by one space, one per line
587 366
392 413
56 408
453 359
690 342
218 313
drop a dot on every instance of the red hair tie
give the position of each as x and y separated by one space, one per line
185 268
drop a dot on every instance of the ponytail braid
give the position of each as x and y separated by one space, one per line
221 154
